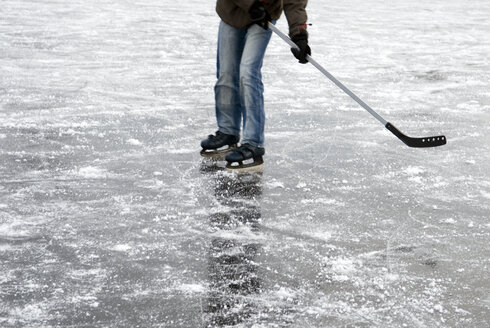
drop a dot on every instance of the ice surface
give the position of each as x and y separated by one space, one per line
110 218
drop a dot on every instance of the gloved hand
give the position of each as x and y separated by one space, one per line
301 40
259 15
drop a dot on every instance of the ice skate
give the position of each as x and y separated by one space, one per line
219 145
245 158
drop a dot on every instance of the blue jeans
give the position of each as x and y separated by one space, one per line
239 89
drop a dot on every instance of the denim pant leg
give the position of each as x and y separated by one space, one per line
251 87
231 42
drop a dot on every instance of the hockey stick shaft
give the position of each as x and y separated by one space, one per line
411 142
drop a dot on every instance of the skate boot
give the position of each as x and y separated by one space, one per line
245 158
219 145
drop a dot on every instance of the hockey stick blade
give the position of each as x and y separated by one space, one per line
417 142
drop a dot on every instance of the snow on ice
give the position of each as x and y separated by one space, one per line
110 218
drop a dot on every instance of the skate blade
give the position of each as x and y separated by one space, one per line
251 169
256 166
217 154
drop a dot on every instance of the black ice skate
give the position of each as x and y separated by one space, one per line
246 158
219 145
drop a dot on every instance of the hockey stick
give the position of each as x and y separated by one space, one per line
409 141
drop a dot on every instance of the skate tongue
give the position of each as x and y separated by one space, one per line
218 154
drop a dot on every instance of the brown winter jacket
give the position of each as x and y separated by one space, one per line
235 12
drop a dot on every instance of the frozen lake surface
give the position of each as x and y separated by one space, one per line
110 218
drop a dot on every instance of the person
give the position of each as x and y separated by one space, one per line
243 37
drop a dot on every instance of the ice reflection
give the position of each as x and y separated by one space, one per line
234 278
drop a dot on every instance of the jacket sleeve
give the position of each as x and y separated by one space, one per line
295 11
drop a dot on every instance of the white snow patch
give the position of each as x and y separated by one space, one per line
392 276
461 311
92 172
449 221
70 132
174 127
6 276
157 173
285 294
280 134
180 151
192 288
321 235
30 312
151 184
134 142
274 184
415 179
77 299
438 308
343 268
385 176
414 173
82 274
14 230
31 285
485 194
325 201
5 248
301 185
121 248
3 136
414 170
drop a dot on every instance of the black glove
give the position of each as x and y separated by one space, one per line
259 15
301 41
